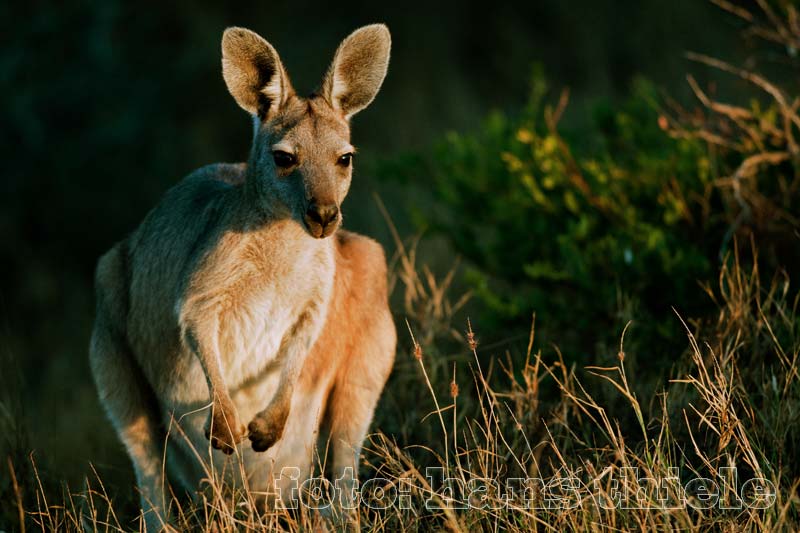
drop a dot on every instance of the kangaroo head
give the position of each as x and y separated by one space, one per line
301 161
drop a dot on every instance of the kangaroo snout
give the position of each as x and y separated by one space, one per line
321 220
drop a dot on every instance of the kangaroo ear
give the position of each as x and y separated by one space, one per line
358 69
253 72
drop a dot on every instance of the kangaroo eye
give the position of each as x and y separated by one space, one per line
284 159
345 160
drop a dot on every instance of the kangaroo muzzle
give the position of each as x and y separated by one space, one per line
321 220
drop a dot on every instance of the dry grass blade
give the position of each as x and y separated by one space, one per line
17 495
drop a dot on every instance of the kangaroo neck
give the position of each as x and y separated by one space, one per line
272 227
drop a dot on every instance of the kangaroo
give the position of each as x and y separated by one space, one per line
238 307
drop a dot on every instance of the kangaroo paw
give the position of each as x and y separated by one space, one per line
224 429
267 428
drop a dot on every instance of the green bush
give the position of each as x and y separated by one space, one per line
621 221
587 237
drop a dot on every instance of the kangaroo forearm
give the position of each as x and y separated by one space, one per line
293 357
208 354
224 428
268 425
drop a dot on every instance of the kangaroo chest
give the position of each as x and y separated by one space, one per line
251 333
258 300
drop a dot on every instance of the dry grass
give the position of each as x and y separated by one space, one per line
733 401
761 135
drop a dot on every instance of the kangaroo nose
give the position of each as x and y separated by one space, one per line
322 214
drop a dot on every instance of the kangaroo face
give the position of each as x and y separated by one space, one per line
304 163
301 162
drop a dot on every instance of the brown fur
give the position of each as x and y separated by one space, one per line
237 303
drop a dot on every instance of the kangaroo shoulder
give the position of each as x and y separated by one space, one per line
188 210
201 187
208 182
363 257
230 173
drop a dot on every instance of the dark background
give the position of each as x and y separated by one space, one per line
107 104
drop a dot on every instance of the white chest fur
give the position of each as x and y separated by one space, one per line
253 332
254 311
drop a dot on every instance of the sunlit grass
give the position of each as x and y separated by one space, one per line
731 401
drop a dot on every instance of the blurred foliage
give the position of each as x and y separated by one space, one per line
587 238
592 228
